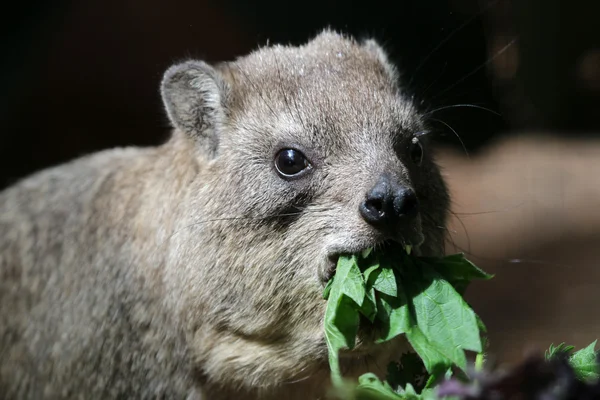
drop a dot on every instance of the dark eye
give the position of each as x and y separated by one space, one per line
290 162
416 151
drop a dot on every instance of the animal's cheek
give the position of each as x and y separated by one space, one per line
281 315
307 319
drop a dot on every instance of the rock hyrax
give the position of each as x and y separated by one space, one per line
195 269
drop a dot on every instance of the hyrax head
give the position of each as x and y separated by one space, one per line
304 153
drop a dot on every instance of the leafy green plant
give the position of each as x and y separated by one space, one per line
559 376
398 294
421 298
583 362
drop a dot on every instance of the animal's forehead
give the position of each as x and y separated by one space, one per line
328 63
332 83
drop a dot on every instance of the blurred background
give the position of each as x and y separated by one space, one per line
517 85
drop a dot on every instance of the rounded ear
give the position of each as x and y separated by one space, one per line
376 49
194 95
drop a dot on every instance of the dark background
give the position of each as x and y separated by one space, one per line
78 76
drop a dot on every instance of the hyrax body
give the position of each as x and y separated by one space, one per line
195 269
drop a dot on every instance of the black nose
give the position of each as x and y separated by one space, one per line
387 203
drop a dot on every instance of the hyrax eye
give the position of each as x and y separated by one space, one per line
416 151
290 162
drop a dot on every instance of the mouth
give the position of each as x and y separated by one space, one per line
333 257
332 261
367 346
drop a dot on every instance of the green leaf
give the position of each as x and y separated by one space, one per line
456 269
384 281
366 253
409 393
341 325
479 362
369 306
372 269
554 351
371 388
430 394
435 361
327 289
585 363
394 316
444 318
400 294
349 274
481 325
341 314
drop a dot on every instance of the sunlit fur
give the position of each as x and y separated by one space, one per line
193 268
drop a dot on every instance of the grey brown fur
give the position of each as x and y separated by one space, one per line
191 269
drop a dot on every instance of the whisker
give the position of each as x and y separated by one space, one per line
453 243
445 229
449 238
464 228
533 261
491 211
462 105
455 133
514 260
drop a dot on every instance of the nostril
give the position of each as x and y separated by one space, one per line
373 210
374 206
405 202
